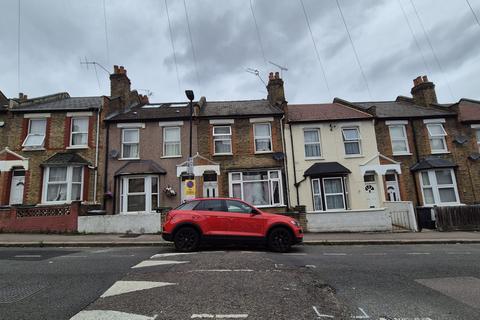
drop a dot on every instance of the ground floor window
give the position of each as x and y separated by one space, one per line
439 187
139 194
329 194
260 188
63 184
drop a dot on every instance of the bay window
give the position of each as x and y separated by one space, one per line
439 187
130 143
171 142
398 137
139 194
63 184
311 138
351 141
222 140
263 137
260 188
333 191
437 135
36 133
79 132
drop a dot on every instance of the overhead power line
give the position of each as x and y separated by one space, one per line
354 49
307 20
427 69
173 45
107 47
473 12
191 42
18 44
258 33
427 37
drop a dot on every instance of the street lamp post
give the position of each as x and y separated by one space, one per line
190 178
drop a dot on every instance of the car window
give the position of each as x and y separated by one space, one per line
239 207
187 205
211 205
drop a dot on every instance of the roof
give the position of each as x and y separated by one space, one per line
238 108
3 102
65 158
469 110
326 168
154 111
140 166
58 102
324 112
403 108
432 163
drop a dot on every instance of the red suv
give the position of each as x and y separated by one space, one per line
228 219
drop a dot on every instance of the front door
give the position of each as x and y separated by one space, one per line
16 189
210 185
371 190
393 191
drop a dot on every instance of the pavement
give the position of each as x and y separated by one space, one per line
102 240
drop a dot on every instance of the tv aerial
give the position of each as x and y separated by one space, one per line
94 63
256 73
282 68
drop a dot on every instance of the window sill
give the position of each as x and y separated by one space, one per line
402 154
354 156
171 157
222 154
441 152
33 149
263 152
124 159
77 147
314 158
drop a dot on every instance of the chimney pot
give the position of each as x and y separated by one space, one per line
115 69
270 76
425 79
277 75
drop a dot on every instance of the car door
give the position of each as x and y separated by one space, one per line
245 221
216 218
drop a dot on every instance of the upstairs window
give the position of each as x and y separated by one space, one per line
79 132
171 142
130 143
222 140
36 133
398 137
351 141
311 138
263 137
437 135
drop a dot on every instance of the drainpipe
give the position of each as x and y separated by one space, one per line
105 179
285 163
97 138
417 159
294 167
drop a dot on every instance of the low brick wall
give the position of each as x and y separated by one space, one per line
56 219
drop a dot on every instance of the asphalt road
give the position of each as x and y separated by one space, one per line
312 282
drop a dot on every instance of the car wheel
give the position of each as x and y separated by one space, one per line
280 240
186 239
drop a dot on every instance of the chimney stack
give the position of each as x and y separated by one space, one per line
120 84
423 91
22 97
143 99
276 93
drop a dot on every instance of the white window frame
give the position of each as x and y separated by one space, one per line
477 136
37 146
325 194
269 137
270 180
312 143
179 142
435 187
131 143
79 132
404 139
437 136
147 193
358 140
68 182
319 194
221 137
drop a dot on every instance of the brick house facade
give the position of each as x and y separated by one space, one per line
433 146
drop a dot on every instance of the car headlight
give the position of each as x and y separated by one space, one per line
295 223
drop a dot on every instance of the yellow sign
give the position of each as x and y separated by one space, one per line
190 187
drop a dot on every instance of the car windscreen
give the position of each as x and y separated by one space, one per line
187 206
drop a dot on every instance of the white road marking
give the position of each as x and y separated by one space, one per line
403 318
121 287
418 253
218 316
375 254
222 270
28 256
459 253
294 254
363 316
319 315
151 263
109 315
310 266
334 254
170 254
278 265
103 250
73 257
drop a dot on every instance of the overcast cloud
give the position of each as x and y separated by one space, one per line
56 34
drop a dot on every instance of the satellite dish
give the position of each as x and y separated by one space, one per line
113 154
